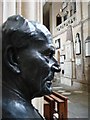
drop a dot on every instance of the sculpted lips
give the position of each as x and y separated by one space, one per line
49 83
48 80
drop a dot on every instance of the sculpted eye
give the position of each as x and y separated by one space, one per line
48 54
48 57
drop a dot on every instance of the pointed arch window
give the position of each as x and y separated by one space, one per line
58 19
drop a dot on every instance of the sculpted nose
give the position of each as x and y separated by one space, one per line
55 67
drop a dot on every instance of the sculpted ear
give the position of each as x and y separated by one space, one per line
11 59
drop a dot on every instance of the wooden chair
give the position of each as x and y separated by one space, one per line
48 107
62 97
55 107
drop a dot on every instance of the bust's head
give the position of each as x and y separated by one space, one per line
28 62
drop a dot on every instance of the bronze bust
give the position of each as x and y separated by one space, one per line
28 66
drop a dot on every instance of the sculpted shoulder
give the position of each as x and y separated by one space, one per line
14 109
19 109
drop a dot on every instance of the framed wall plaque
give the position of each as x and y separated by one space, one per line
57 44
77 44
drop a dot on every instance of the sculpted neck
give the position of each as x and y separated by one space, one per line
18 87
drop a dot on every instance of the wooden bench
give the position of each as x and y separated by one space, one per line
62 97
48 107
55 107
46 110
59 107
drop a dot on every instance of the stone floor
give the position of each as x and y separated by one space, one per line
78 104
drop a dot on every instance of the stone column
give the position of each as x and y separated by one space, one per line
9 8
1 4
78 10
88 76
89 18
51 18
29 10
18 7
33 10
40 11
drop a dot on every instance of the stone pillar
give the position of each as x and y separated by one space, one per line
69 63
18 7
29 10
33 10
89 49
51 18
89 18
39 14
78 10
1 4
9 8
53 24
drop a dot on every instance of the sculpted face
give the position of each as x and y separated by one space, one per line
35 67
34 59
36 63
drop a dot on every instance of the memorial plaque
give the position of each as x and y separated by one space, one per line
69 50
78 61
87 43
68 69
78 48
78 44
62 58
